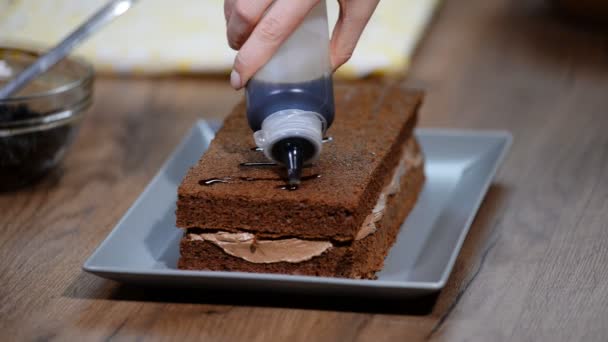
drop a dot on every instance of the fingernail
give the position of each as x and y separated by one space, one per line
235 80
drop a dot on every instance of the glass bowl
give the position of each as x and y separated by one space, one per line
590 11
38 124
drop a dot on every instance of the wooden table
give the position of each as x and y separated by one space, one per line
534 266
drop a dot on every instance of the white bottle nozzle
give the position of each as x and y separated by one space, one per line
290 124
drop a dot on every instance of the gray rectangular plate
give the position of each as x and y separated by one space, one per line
143 248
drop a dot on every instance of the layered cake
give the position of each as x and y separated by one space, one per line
238 215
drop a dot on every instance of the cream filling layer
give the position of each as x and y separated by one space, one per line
247 247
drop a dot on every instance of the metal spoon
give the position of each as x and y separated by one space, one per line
106 14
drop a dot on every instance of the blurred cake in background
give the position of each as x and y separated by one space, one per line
188 36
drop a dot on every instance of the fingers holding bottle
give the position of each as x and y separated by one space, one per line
275 24
257 28
241 18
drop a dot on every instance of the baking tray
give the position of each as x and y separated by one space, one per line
143 248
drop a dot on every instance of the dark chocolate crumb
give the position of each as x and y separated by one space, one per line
26 157
18 112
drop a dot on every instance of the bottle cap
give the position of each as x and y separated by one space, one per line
293 126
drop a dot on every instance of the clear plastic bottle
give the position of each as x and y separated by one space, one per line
290 101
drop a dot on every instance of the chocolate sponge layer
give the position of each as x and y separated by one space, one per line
372 123
355 259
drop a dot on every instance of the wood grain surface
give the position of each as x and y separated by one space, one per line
533 268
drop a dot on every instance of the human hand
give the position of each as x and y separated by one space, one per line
257 35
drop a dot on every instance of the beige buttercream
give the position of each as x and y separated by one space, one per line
247 247
409 159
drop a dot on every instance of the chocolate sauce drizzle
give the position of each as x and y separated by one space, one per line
227 180
293 187
288 187
211 181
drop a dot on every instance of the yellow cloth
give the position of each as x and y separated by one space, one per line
160 36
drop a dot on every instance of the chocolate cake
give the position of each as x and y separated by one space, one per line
239 216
